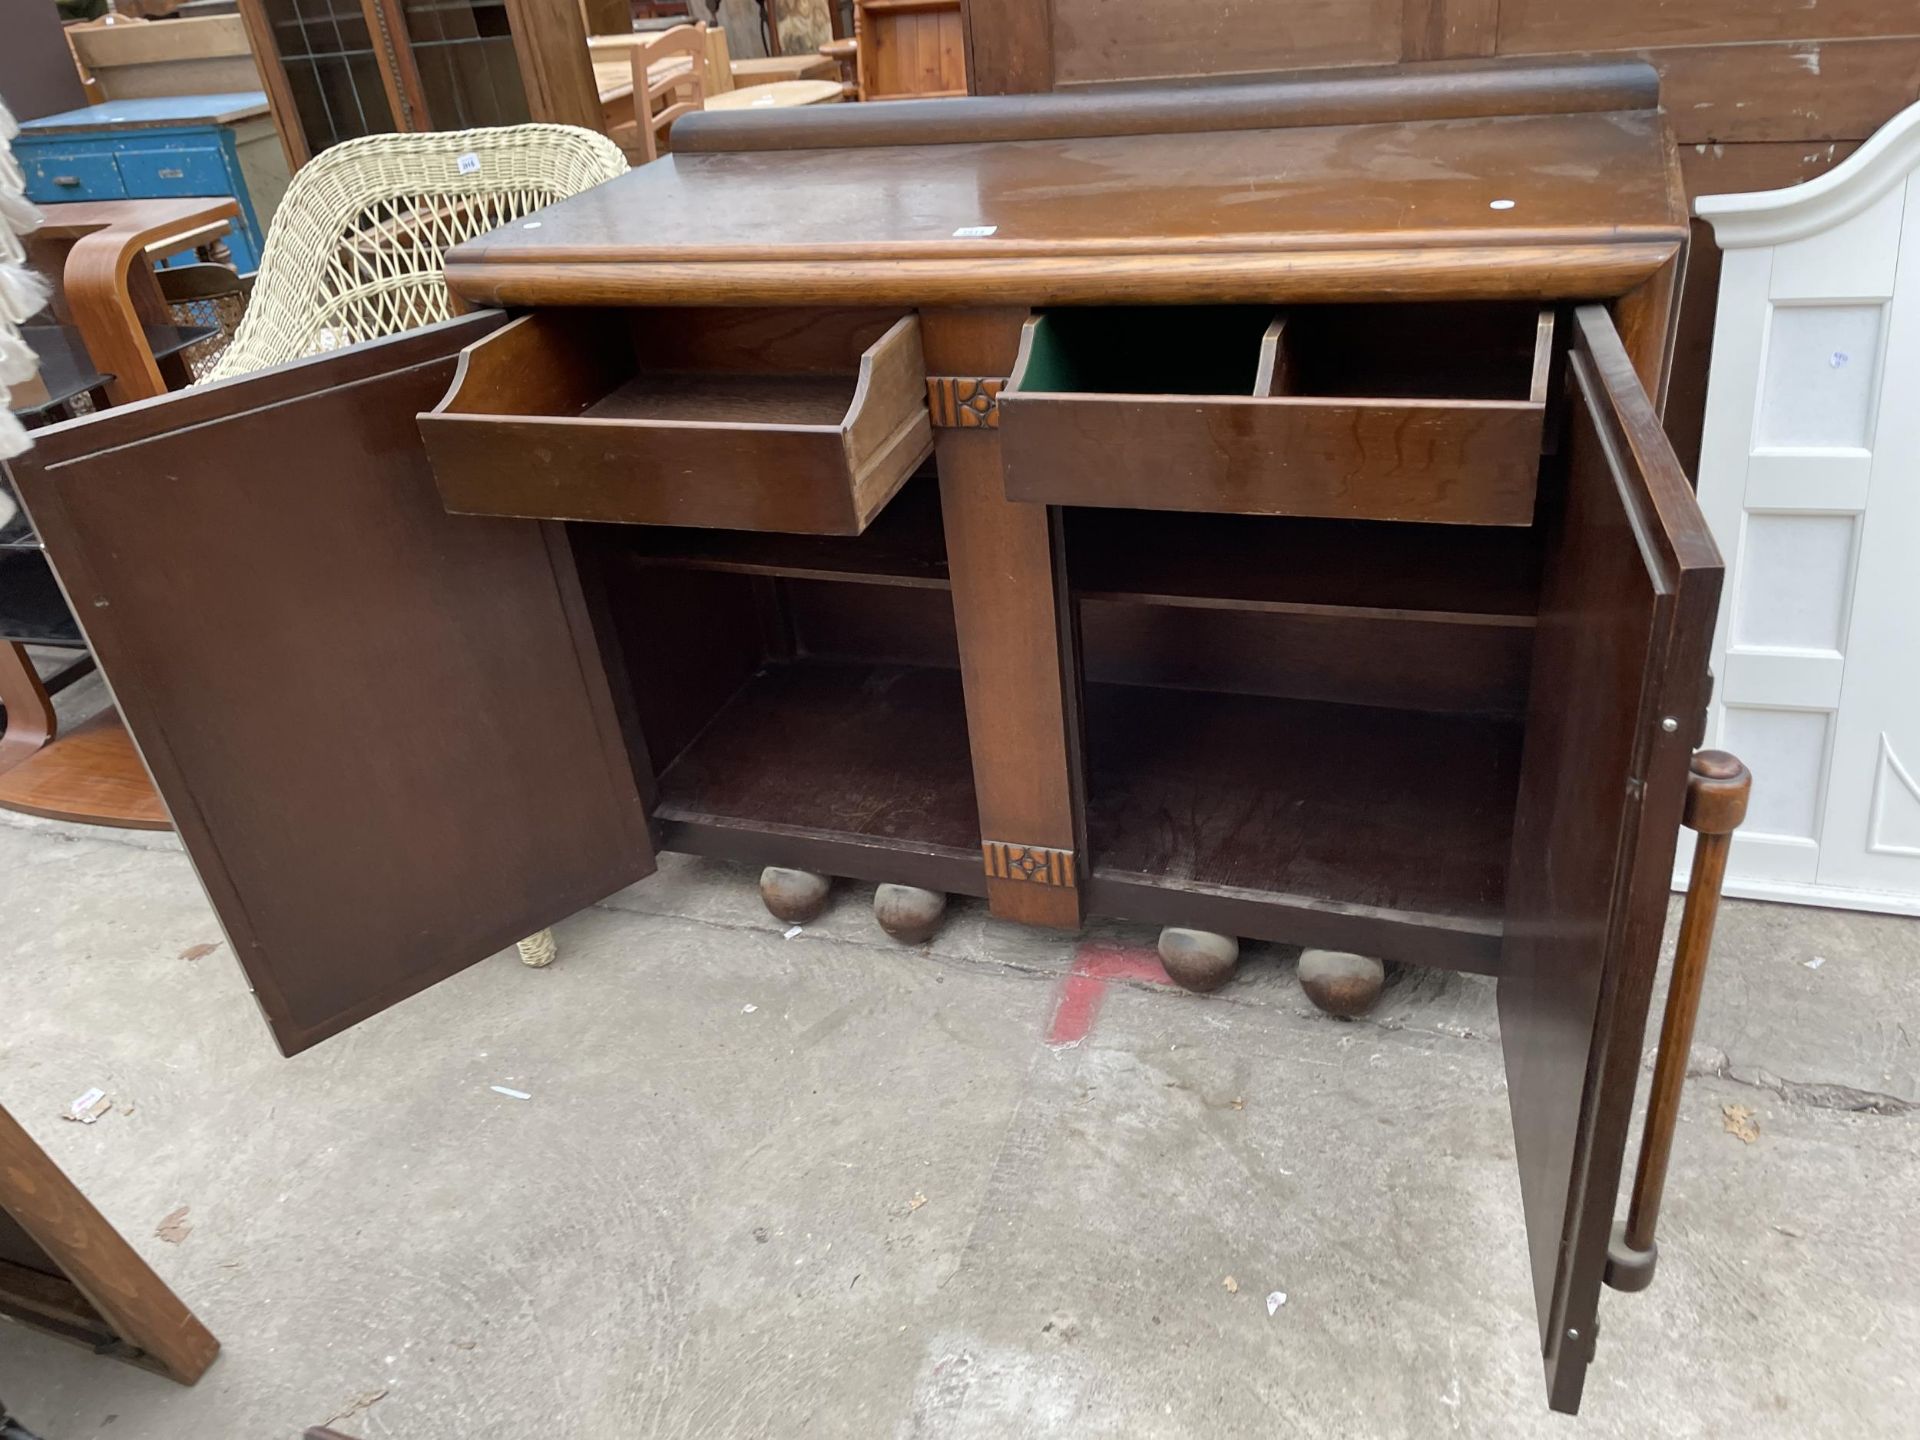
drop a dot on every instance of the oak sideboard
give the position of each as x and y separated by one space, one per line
1237 507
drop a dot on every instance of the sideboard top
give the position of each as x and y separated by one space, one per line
1556 205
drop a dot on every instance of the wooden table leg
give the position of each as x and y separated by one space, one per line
106 1286
1016 634
30 719
1717 792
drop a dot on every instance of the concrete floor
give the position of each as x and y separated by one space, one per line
827 1186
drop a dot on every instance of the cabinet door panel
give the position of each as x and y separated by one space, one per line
1626 618
383 732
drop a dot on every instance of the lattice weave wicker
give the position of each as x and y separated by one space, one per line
355 249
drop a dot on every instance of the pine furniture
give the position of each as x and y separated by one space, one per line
1300 558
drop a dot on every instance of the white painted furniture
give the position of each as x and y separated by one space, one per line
1810 477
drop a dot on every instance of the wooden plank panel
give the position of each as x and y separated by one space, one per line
342 660
1539 27
1147 39
1785 90
1626 617
53 1225
1448 29
1009 46
1838 90
550 38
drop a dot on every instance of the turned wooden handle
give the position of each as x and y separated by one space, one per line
1717 789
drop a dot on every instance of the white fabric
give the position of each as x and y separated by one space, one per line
22 293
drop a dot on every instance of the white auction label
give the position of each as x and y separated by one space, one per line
974 232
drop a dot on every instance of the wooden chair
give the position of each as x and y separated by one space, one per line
846 54
662 92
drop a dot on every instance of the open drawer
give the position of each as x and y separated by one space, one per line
799 421
1428 413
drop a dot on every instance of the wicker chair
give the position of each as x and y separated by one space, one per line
355 249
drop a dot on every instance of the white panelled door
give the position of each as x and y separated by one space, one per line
1810 477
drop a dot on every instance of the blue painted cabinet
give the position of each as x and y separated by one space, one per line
163 147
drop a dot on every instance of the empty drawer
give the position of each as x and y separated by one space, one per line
1428 413
804 422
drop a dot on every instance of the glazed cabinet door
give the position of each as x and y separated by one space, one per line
383 732
1630 585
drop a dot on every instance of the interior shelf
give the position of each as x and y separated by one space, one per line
1485 575
876 753
748 399
904 545
1387 821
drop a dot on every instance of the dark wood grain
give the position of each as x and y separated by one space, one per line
1408 413
1317 810
1444 574
601 430
1171 217
1462 463
342 645
1400 662
1168 38
873 751
1009 46
1300 97
1626 617
903 546
62 1264
1015 637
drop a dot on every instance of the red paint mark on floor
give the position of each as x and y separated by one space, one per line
1095 964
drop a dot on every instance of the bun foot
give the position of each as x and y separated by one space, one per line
908 913
1198 960
795 896
1340 983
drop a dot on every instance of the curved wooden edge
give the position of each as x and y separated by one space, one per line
99 282
889 387
1439 91
93 775
30 718
1519 272
100 298
105 1269
549 364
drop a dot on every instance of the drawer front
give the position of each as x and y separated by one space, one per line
1405 413
793 422
162 174
1436 462
57 176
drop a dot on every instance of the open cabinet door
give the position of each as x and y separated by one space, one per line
383 732
1631 582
